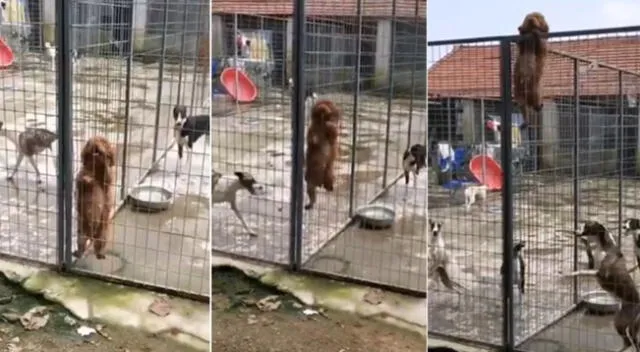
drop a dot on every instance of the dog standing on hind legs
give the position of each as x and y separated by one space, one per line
529 66
95 192
413 160
322 148
612 275
439 258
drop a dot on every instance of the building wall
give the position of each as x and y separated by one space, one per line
147 18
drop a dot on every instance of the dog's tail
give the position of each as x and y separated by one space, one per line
446 280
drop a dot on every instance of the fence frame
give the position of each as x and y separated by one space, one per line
509 342
296 242
64 86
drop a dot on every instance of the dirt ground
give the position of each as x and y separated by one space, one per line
60 332
239 326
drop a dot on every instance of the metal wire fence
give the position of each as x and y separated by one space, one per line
575 162
370 61
116 69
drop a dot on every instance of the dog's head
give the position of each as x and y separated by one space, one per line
630 226
534 21
310 93
98 153
3 4
325 111
435 228
179 112
595 233
517 248
248 182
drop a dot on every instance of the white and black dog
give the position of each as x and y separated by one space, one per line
413 160
631 227
188 129
439 259
519 267
225 189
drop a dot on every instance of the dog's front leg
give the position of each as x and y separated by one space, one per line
234 207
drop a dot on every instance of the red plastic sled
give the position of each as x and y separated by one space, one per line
6 55
246 91
493 172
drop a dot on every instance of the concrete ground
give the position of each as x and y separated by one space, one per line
257 139
474 240
165 249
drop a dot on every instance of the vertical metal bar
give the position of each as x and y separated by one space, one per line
163 53
195 65
392 62
356 100
127 108
483 128
65 130
416 43
297 145
620 153
576 171
450 137
235 57
508 338
182 44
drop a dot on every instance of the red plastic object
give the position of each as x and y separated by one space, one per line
493 172
246 91
6 55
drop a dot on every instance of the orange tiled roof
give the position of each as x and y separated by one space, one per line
473 71
371 8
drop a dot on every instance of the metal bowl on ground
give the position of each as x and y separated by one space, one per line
600 302
150 199
376 216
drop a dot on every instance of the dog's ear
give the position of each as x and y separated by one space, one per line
179 110
239 174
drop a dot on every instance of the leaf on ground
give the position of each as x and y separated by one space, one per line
269 303
35 318
160 307
374 296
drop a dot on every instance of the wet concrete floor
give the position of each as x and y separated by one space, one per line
258 140
474 240
165 249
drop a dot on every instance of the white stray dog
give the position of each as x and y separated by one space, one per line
51 52
439 259
224 190
473 194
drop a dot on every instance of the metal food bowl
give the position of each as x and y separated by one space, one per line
600 302
376 216
150 199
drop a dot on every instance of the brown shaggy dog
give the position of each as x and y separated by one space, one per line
322 148
529 67
95 186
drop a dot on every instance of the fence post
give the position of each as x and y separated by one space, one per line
508 337
127 110
195 64
392 51
416 42
183 38
620 153
356 98
65 132
297 137
163 52
576 171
